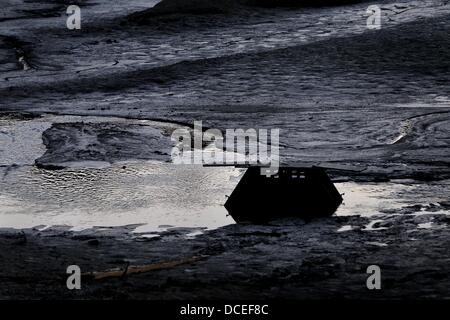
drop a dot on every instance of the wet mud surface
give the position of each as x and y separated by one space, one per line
316 261
371 105
372 99
101 142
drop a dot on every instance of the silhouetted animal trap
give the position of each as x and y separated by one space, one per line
293 192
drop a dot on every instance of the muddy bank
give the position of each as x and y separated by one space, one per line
16 10
395 151
103 142
52 141
376 101
288 259
179 8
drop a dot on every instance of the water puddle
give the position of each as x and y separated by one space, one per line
154 195
375 199
160 196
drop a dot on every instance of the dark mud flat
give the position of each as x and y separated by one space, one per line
101 142
375 99
288 259
376 102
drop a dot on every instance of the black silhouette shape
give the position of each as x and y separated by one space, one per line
294 192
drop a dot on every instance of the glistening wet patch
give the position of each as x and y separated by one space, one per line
160 195
153 194
104 183
395 197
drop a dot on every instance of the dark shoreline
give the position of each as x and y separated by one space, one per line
288 259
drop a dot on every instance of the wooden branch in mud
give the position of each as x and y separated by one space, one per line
100 275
